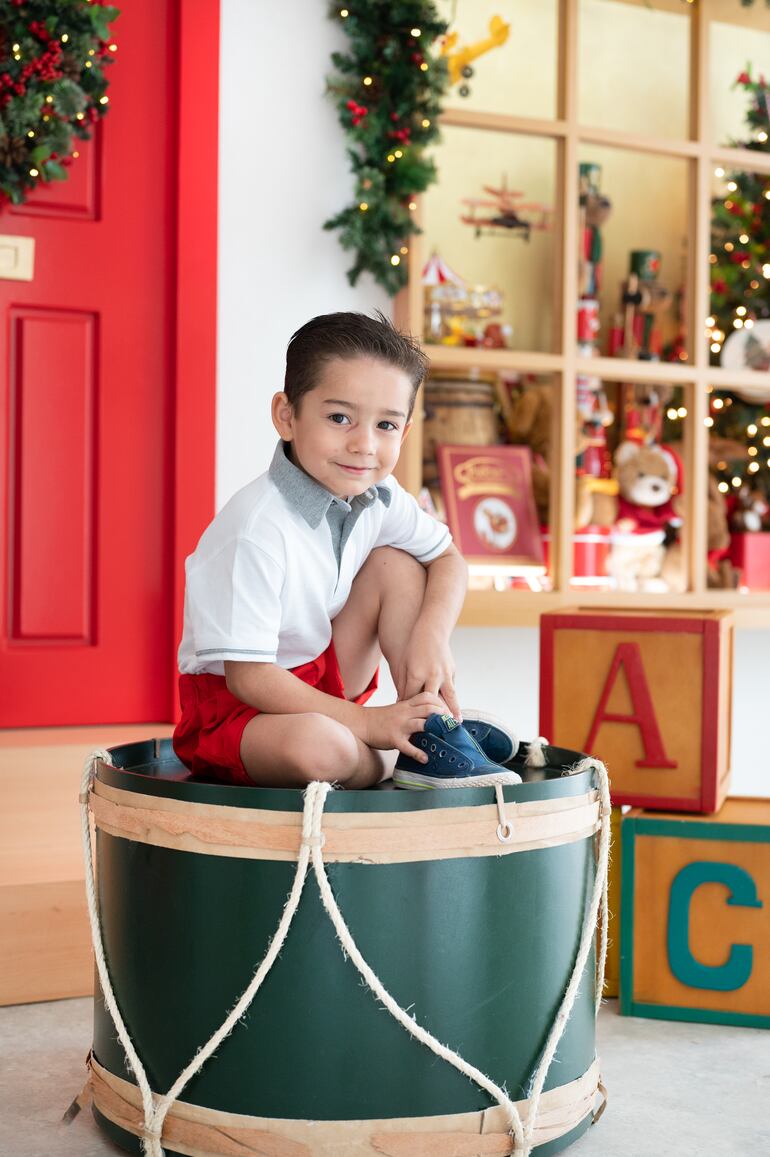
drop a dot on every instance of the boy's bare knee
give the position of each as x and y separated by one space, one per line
395 567
322 748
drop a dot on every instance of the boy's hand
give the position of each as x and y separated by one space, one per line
428 665
390 727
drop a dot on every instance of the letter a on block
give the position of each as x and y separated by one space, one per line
629 657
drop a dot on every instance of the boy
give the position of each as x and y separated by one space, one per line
314 570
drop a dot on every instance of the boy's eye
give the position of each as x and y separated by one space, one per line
386 425
338 419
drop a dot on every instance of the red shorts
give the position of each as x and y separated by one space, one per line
207 738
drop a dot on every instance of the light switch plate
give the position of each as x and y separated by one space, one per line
17 258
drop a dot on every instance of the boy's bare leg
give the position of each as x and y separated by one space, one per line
294 750
379 617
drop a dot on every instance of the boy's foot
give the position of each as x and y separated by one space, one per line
497 741
454 759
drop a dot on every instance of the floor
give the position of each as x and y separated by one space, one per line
675 1090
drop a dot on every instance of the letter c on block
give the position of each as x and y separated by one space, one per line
743 893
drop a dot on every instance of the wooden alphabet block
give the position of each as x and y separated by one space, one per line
695 933
648 693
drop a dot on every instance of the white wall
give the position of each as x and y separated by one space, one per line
283 171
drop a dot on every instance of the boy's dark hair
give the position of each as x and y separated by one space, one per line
349 335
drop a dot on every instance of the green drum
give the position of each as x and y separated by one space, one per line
474 908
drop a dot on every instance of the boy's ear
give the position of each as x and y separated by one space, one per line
282 413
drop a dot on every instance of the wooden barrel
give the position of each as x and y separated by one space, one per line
460 411
474 930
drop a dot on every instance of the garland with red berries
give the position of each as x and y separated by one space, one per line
53 86
388 87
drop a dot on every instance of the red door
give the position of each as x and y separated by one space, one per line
87 417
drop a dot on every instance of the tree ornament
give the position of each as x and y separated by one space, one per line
52 87
400 117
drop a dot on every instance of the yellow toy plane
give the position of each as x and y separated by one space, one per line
458 62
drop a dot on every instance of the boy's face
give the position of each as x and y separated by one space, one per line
349 428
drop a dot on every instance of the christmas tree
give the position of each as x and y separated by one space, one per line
740 298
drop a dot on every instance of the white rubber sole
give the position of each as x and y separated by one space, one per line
413 779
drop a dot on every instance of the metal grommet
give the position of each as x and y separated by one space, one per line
505 832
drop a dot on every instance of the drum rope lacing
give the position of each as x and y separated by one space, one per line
156 1108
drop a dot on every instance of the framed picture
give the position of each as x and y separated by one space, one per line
490 507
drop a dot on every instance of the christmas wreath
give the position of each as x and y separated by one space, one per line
52 86
388 88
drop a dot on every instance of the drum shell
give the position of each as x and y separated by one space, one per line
479 949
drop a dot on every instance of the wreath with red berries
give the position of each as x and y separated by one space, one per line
53 87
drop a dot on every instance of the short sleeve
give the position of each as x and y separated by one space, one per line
408 527
234 604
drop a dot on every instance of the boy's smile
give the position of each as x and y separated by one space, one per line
347 431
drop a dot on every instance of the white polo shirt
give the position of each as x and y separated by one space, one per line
276 566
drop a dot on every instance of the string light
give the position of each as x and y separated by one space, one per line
412 206
738 323
423 67
344 13
65 37
766 441
104 100
76 154
718 403
113 48
736 482
416 32
88 64
748 323
764 421
753 451
744 238
391 158
682 411
719 172
715 347
766 270
367 81
751 430
741 310
31 133
723 487
729 246
404 250
79 116
731 185
671 414
33 173
425 123
762 136
708 422
395 259
398 154
711 321
753 467
363 206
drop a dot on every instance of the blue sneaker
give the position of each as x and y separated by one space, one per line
454 759
498 743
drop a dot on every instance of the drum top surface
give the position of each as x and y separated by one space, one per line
152 768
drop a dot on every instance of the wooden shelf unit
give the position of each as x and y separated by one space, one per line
701 154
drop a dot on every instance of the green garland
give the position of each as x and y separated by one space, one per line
388 88
52 86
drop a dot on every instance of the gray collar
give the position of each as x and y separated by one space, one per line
312 500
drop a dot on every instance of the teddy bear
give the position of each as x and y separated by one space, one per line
720 572
641 508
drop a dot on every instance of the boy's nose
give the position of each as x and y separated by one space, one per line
362 441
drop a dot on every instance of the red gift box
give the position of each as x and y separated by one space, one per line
750 553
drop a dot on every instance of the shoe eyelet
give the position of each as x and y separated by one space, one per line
452 758
441 753
423 743
433 746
